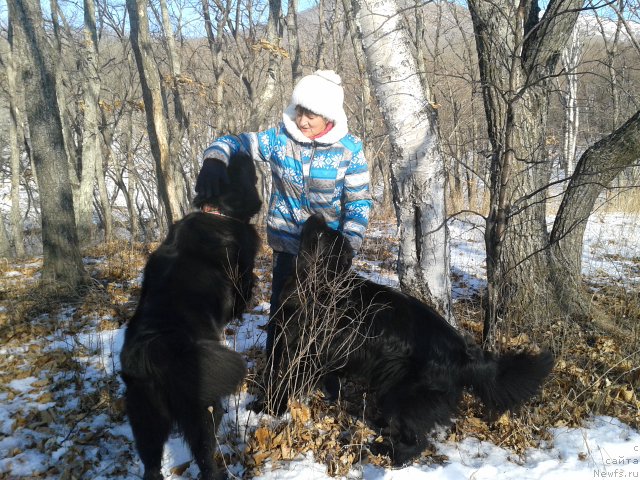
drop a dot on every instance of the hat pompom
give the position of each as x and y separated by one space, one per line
329 75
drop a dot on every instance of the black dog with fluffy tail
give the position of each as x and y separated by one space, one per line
174 363
414 362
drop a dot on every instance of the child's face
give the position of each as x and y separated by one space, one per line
309 123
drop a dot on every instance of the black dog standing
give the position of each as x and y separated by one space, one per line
413 361
174 363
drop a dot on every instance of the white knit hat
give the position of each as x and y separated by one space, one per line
322 94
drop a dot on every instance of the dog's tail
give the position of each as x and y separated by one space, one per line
203 369
505 382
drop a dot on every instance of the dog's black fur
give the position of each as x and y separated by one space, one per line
174 363
414 362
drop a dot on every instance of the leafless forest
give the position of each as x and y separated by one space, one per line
513 122
514 114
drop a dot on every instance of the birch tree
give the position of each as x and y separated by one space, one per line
416 164
571 56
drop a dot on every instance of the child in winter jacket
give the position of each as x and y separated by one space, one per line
317 166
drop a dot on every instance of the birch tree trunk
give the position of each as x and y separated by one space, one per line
417 168
62 263
170 181
571 56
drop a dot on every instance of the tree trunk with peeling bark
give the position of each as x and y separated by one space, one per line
417 167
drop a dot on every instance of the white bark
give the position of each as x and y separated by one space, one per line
416 164
571 56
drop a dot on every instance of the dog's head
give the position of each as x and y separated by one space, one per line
239 198
324 246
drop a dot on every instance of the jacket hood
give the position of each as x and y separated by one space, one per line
337 133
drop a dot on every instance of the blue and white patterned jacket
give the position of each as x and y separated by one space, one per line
328 175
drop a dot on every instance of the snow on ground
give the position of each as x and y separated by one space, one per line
38 429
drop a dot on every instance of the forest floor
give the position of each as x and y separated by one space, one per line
61 406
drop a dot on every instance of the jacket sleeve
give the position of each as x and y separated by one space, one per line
258 145
356 199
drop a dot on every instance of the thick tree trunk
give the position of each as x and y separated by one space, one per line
518 53
597 167
62 265
416 163
170 184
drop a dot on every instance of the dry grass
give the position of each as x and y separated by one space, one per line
597 373
623 200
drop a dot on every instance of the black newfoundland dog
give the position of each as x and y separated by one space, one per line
414 362
174 363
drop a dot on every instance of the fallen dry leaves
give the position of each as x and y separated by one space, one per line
596 373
